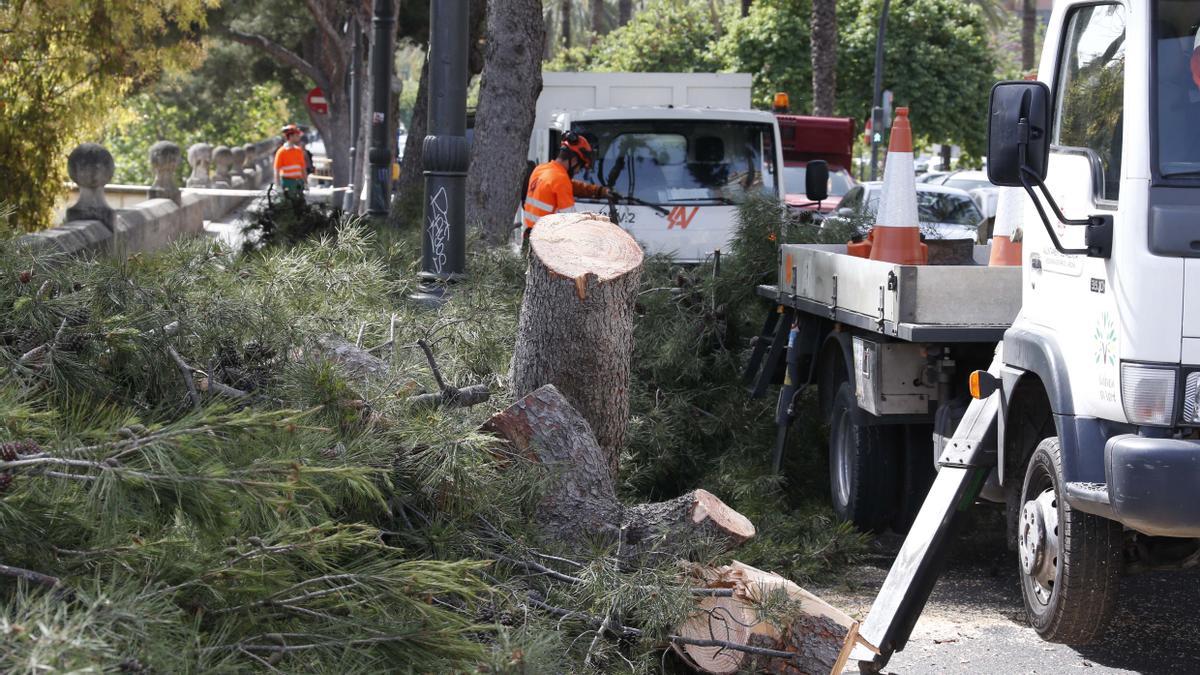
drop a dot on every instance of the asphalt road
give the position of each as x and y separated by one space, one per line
975 621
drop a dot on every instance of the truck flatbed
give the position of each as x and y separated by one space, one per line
914 303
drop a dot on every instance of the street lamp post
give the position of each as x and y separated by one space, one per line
380 155
877 121
350 199
445 154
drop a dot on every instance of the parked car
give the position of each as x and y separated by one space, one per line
840 182
963 180
944 212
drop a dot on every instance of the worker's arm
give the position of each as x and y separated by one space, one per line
588 190
564 199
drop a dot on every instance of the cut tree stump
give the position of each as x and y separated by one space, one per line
579 501
818 636
576 324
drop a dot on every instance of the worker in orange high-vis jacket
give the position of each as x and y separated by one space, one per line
551 188
290 162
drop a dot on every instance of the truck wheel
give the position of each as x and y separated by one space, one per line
917 473
1070 561
863 478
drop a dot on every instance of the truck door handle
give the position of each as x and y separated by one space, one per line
1035 261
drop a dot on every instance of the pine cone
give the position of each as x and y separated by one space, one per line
6 480
8 451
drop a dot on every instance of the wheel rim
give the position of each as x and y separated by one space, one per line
1038 541
841 460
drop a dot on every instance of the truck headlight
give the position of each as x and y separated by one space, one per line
1191 399
1148 394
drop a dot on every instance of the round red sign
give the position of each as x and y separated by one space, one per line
316 102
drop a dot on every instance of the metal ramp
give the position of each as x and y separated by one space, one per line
969 456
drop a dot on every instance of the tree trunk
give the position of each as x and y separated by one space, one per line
579 501
824 56
1028 34
512 80
946 150
818 635
576 324
335 132
599 23
746 7
564 12
412 177
624 11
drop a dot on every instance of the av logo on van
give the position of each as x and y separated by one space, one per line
1105 338
681 217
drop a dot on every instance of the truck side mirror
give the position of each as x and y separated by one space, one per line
1018 133
816 180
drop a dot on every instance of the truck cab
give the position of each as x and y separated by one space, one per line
1100 441
685 168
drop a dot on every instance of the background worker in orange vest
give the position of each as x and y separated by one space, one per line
551 188
290 162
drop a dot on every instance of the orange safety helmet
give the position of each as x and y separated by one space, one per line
576 143
290 129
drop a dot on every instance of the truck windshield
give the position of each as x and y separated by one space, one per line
1177 81
672 162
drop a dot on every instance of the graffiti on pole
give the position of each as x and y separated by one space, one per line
439 229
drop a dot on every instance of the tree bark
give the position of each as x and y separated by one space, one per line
824 56
512 81
1028 34
746 7
412 178
599 22
624 11
564 17
576 325
817 635
579 501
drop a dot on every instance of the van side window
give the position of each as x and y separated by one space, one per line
1091 87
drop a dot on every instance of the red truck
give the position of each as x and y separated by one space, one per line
805 138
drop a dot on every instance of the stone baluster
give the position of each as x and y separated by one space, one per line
164 162
222 161
248 169
91 166
236 179
199 156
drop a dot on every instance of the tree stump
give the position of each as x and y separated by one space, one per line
579 501
576 324
818 636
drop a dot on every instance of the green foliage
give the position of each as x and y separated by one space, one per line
664 36
938 62
66 64
773 43
288 219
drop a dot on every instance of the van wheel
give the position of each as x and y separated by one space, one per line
917 473
863 476
1070 561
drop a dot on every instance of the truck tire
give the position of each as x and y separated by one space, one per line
863 476
1069 561
917 473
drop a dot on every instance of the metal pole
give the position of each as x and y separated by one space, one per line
443 238
877 122
350 201
380 154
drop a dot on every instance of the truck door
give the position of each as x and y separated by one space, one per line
1071 294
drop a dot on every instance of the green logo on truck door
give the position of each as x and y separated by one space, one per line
1105 338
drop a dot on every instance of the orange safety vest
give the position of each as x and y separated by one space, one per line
289 162
551 190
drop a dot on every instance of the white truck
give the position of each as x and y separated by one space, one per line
681 150
1081 411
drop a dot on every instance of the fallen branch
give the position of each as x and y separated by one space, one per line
448 396
29 575
186 370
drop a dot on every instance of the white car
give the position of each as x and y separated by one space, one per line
944 212
963 180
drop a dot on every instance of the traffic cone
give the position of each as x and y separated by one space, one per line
1010 210
897 226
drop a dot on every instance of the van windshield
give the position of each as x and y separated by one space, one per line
1177 81
673 162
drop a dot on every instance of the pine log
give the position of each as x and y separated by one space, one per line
576 324
815 633
579 501
355 362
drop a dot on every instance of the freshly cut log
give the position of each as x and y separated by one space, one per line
579 501
817 636
576 324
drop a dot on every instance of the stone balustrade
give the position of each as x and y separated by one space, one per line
92 226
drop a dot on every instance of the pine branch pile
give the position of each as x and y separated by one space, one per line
219 461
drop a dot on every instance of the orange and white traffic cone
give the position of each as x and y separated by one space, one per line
897 226
1010 209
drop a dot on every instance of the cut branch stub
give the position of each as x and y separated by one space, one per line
690 518
576 324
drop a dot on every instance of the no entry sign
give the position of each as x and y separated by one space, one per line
316 102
